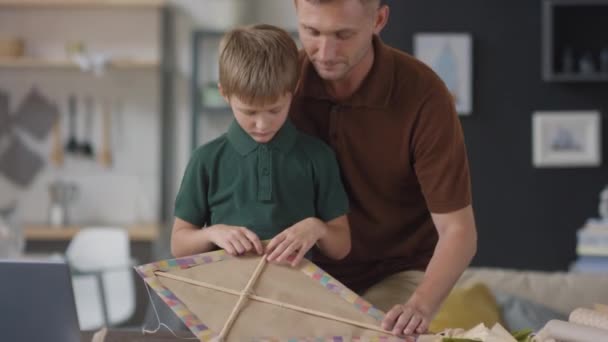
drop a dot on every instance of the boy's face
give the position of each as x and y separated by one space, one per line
261 122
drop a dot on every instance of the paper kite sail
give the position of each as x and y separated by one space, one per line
221 297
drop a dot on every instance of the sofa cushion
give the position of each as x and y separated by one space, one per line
465 308
560 291
521 314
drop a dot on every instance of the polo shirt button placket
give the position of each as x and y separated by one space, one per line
264 180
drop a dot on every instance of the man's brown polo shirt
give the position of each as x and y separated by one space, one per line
402 155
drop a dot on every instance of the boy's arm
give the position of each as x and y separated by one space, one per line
188 239
332 238
336 242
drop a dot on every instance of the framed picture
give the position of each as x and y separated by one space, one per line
450 56
566 139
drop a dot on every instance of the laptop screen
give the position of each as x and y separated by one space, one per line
37 302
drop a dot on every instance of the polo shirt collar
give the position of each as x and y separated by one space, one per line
244 143
375 90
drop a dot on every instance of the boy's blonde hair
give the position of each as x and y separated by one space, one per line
258 64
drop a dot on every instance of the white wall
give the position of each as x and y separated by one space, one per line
130 190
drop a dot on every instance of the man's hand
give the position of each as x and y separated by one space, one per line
411 318
234 240
292 244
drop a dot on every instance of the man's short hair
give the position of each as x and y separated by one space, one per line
365 2
258 64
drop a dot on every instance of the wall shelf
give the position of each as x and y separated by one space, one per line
574 45
577 77
25 63
83 3
42 232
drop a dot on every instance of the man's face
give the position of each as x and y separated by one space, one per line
261 122
336 35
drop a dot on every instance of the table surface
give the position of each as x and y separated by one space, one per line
123 335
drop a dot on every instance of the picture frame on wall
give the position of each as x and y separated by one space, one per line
566 139
450 55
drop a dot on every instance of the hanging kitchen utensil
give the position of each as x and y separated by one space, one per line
105 155
72 144
36 114
56 147
4 114
19 164
86 148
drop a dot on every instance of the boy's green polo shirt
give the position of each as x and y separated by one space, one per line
267 188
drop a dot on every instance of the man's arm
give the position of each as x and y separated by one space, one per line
454 251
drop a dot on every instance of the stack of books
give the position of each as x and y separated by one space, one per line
592 247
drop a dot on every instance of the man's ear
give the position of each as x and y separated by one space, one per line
381 19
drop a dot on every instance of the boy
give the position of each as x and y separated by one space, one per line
262 179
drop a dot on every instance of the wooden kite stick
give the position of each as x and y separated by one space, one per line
244 295
273 302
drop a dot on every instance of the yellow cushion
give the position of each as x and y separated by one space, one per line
467 307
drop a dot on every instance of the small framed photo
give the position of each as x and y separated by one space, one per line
450 55
566 139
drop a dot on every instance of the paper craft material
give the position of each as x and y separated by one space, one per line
556 330
18 163
244 298
36 114
589 318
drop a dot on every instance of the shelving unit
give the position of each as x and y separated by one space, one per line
164 65
137 232
26 62
574 44
198 105
84 3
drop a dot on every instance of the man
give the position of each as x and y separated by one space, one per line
393 126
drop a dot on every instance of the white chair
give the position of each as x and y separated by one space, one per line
102 277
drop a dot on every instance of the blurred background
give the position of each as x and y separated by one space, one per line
101 103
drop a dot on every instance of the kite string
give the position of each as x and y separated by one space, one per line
160 324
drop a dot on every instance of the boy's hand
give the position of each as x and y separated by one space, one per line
234 240
292 244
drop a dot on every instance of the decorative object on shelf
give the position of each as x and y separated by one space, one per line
586 65
604 60
11 47
12 241
450 56
566 139
61 195
568 60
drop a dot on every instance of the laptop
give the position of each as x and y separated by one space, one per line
37 302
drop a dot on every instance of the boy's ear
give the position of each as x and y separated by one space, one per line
219 87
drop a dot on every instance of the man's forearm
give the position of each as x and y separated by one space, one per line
454 251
